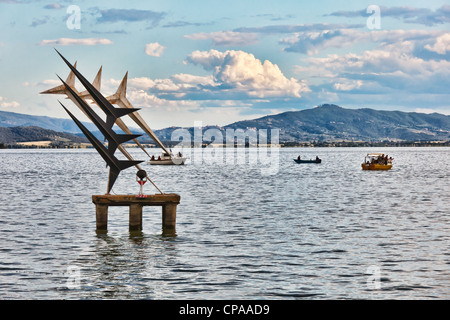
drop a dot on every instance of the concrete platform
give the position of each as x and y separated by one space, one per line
167 201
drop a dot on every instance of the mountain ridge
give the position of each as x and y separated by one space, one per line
13 119
327 122
331 123
12 135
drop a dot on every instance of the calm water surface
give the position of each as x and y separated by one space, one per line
327 231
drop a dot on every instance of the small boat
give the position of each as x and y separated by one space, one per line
317 160
167 159
377 161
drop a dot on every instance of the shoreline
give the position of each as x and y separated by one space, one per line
329 144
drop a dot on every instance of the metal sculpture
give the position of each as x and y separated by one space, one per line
168 202
113 114
115 165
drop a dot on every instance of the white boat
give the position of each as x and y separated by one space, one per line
167 159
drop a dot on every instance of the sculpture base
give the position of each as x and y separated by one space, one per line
167 201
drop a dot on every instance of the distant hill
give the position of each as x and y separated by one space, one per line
12 119
331 123
13 135
324 123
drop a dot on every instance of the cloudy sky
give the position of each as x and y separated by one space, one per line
223 61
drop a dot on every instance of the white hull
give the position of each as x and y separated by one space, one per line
168 162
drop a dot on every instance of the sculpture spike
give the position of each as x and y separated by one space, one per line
114 139
121 91
102 102
115 165
97 83
61 89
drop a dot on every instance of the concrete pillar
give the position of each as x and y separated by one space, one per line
101 215
169 215
168 202
135 217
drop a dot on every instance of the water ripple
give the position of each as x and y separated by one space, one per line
308 232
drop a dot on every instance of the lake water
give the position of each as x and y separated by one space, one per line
304 231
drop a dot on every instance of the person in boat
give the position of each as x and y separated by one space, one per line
179 154
317 158
153 158
298 158
159 157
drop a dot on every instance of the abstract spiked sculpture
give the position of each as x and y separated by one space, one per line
112 114
114 139
115 165
61 89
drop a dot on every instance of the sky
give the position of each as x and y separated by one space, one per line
223 61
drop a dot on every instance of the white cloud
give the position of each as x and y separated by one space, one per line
347 85
392 60
12 104
154 49
71 42
311 42
53 6
143 99
241 71
408 14
175 83
442 44
193 79
50 82
393 67
238 84
226 38
8 105
207 59
235 74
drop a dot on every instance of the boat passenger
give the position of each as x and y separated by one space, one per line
153 158
159 157
298 158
